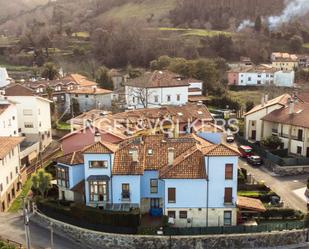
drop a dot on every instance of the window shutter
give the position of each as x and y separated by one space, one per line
229 171
228 195
171 195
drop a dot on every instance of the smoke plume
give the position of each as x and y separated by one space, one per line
245 24
294 9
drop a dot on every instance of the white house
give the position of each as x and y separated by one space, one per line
8 118
10 184
188 178
33 114
253 118
157 88
4 77
261 75
89 98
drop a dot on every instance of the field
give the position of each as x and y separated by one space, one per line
196 32
247 95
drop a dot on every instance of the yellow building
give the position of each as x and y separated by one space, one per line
284 61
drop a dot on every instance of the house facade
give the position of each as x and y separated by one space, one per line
10 179
8 118
33 114
158 88
158 174
4 77
284 61
89 98
261 75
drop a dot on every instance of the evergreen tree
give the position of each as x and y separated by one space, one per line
258 24
104 79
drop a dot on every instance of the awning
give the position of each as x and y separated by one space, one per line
250 204
98 178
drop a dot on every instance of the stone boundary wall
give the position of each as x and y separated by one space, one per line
286 170
93 239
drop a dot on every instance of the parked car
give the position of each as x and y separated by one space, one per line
255 160
245 151
230 138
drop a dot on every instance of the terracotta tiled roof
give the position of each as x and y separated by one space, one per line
90 91
299 117
7 144
18 90
250 204
157 79
220 150
284 57
189 165
303 96
100 148
73 158
82 80
3 108
281 100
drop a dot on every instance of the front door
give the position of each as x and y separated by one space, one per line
253 135
300 135
155 203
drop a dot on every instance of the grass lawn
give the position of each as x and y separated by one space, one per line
306 45
249 95
63 126
17 203
81 34
251 193
196 32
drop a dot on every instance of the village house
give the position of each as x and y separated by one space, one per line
156 174
10 179
8 118
158 88
284 61
89 98
33 114
303 60
119 77
260 75
285 117
115 128
4 77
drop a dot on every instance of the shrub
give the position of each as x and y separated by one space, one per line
282 213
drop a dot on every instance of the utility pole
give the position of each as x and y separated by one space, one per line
26 224
51 236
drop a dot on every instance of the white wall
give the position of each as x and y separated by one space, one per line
161 93
4 77
265 78
8 122
284 78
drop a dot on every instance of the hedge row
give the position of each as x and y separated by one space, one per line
4 245
91 218
284 213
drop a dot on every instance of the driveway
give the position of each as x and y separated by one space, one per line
12 227
290 188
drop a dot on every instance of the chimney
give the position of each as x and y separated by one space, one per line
263 101
170 156
97 137
266 98
291 106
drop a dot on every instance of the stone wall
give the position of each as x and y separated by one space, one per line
287 170
92 239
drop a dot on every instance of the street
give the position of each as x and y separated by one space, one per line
284 186
12 227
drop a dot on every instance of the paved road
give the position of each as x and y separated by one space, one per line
283 186
12 227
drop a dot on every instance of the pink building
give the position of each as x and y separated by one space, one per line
232 77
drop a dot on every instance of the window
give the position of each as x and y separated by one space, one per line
168 98
28 125
227 218
13 117
76 95
98 191
183 215
156 99
98 164
153 186
228 195
87 96
27 112
171 214
171 195
228 171
249 78
259 82
155 203
63 176
299 149
150 152
178 97
125 194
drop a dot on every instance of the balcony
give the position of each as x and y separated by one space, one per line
297 138
125 196
228 201
274 131
284 135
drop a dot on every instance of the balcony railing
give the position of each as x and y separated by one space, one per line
228 201
125 195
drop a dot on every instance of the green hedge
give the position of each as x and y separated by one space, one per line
91 218
283 213
4 245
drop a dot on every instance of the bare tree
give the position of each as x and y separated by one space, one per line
142 95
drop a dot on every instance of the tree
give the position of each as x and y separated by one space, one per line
271 142
142 95
161 63
103 78
50 71
41 181
296 43
258 24
249 105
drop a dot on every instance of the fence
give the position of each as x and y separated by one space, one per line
13 243
282 161
279 226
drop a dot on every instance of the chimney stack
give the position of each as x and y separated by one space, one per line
97 137
135 155
266 98
263 101
291 106
170 156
